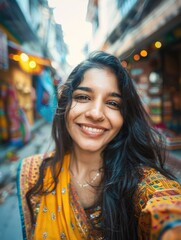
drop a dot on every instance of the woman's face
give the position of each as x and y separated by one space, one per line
94 118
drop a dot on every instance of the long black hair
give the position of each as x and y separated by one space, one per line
136 145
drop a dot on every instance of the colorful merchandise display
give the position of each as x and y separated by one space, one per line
4 131
14 126
172 140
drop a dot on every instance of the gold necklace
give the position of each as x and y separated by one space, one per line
83 185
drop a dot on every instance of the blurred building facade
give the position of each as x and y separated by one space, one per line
146 36
32 58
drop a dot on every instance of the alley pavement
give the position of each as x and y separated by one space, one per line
10 227
41 142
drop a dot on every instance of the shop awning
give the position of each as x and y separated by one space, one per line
39 58
12 18
161 20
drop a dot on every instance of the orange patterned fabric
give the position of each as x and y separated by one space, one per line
27 176
157 206
55 219
86 217
59 217
59 214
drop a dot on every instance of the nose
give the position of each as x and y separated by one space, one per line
95 112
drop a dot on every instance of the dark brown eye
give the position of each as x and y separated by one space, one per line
81 98
113 104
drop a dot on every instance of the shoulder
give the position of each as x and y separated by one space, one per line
27 176
154 185
28 170
154 181
157 204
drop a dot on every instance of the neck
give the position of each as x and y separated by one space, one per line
81 164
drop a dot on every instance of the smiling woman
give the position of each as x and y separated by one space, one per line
106 178
94 118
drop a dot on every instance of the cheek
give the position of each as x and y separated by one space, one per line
118 121
69 118
76 110
73 113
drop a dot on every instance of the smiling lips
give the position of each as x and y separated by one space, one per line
92 130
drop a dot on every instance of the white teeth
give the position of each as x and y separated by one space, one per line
93 130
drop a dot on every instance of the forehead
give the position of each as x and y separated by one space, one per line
100 78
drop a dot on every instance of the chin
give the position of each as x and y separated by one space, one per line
91 148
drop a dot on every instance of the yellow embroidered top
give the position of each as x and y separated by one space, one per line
157 203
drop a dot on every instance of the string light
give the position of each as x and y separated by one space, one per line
32 64
143 53
14 57
124 64
158 44
136 57
24 57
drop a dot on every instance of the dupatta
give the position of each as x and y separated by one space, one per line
57 217
59 214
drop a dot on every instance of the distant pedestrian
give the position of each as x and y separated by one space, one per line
105 179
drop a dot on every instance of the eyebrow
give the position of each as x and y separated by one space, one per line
87 89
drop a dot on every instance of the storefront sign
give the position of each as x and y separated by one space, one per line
3 51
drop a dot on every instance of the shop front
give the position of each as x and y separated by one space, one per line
156 70
21 75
